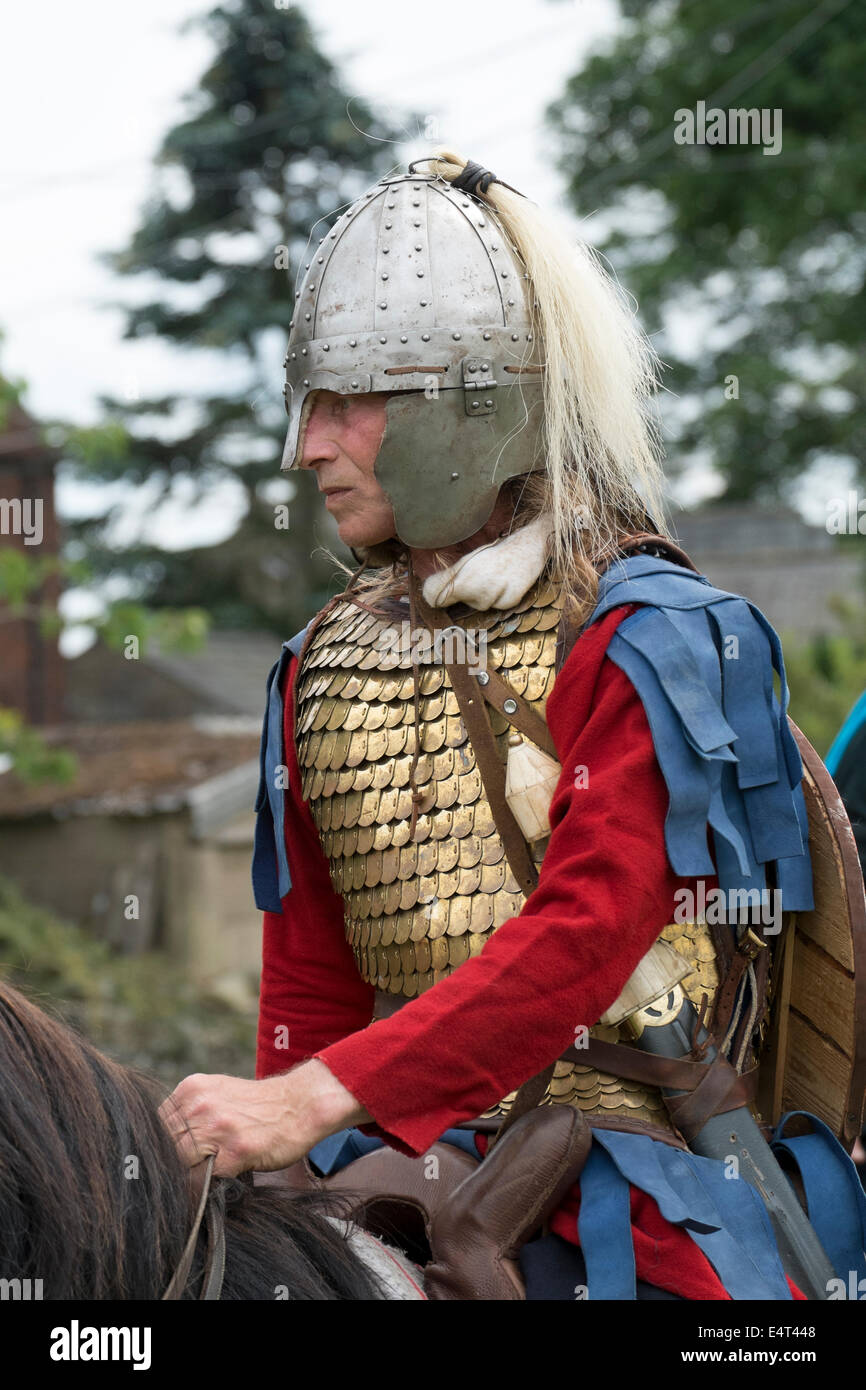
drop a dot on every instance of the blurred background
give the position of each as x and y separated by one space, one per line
162 167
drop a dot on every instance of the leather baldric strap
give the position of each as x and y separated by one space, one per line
470 696
712 1088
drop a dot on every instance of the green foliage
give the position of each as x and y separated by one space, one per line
770 248
30 757
22 574
827 674
137 1008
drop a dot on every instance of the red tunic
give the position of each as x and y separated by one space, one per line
605 891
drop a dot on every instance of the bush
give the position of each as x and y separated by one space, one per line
827 675
136 1008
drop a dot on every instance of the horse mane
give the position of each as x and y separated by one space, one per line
96 1202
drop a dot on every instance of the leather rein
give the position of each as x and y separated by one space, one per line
210 1209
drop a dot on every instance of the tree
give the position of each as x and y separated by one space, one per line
768 249
271 146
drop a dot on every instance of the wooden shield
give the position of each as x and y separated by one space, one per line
814 1057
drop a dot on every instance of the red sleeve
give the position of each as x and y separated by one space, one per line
605 891
311 992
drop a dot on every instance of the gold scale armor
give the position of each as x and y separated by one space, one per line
415 910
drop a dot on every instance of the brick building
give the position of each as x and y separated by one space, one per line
31 668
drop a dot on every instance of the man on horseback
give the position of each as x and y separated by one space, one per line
489 768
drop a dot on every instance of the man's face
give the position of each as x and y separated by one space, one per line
341 443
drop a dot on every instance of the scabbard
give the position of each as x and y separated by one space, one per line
736 1134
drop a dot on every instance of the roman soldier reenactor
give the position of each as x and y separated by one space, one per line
533 841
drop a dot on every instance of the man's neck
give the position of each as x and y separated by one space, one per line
427 562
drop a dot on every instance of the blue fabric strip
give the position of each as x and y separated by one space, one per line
270 871
725 1217
265 876
711 708
333 1153
835 1198
604 1228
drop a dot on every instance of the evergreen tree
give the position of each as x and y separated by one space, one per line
769 247
270 147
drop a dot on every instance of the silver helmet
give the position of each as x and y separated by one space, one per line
417 290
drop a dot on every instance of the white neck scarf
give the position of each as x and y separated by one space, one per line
495 575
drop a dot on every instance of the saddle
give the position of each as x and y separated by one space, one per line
464 1221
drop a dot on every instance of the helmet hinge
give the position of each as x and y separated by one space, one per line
478 383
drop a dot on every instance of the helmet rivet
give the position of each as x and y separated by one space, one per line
291 323
389 205
486 337
425 337
475 405
353 342
423 303
383 304
306 382
465 205
510 706
485 366
307 266
297 294
354 385
416 202
511 303
504 274
416 186
529 337
388 226
385 250
294 356
419 247
333 234
456 337
454 477
494 246
384 275
321 259
420 274
482 223
326 347
489 405
383 340
403 338
515 337
482 678
303 352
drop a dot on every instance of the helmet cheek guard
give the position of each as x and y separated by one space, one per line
443 472
416 292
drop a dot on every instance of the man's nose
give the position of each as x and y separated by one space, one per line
319 444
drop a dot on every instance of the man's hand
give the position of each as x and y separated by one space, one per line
258 1124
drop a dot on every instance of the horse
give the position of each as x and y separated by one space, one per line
97 1204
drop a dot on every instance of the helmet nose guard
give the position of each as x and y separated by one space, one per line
417 291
